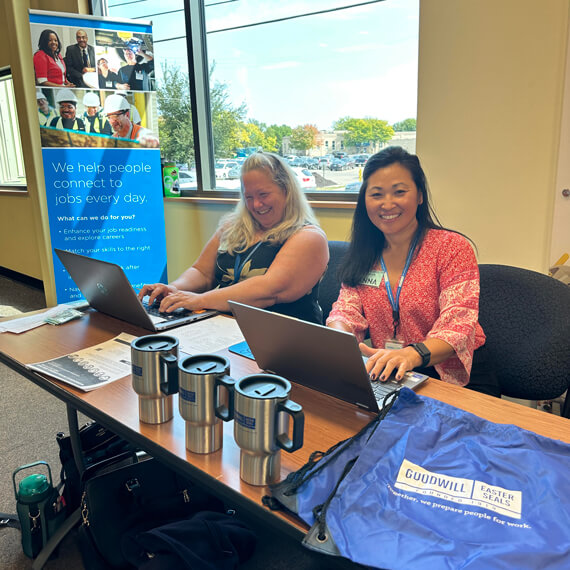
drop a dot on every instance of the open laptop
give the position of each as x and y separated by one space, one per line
325 359
107 289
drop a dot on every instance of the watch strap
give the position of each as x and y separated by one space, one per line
423 351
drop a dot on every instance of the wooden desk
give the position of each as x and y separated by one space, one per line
327 420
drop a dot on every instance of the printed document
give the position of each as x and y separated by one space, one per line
91 367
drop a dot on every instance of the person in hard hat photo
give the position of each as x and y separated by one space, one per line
67 102
94 120
45 111
135 75
118 111
49 66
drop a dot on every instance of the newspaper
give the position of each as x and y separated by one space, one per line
91 367
30 322
209 335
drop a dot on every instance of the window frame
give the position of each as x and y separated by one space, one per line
199 86
11 152
198 74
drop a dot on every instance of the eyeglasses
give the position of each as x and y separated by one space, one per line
67 106
117 114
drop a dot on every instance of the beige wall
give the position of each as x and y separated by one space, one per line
490 97
490 101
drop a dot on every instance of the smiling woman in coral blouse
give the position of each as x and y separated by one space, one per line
48 63
410 283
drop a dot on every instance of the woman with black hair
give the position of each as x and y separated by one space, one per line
48 63
412 284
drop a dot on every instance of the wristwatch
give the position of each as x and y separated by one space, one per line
423 351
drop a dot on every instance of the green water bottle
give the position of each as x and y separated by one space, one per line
170 179
39 506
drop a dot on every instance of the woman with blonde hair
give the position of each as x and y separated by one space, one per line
269 252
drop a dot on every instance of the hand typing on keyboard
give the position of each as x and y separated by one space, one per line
385 364
156 292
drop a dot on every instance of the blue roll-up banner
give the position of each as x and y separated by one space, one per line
95 89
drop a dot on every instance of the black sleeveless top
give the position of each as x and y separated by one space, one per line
255 261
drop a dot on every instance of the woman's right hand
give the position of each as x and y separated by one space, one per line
156 292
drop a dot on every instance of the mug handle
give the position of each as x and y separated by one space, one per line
170 385
296 413
225 414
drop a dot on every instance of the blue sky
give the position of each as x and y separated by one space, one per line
358 62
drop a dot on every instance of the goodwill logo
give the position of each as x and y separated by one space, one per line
416 479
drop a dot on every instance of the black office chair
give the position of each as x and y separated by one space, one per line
329 286
526 318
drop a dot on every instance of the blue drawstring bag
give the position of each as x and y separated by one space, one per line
313 483
438 487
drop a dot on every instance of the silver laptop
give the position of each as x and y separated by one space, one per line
107 289
321 358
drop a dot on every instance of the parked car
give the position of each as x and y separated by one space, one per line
223 168
353 186
312 163
348 162
360 159
324 161
337 164
234 173
187 180
296 161
306 179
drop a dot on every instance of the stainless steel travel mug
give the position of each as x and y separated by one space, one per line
261 404
154 360
204 399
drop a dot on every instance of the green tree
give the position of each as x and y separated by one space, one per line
304 137
405 125
277 132
175 120
175 117
254 136
367 130
227 121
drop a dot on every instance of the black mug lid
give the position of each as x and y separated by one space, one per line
263 386
204 364
155 343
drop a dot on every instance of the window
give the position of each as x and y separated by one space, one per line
297 78
12 173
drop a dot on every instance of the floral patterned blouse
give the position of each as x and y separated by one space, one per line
439 299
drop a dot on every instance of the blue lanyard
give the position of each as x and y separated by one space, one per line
396 303
237 267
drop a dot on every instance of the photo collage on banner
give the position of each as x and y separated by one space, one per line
98 120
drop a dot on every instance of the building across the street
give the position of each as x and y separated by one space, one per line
330 142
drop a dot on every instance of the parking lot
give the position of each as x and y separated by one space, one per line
334 180
339 177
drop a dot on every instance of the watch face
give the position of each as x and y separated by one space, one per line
423 351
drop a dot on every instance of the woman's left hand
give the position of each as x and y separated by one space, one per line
182 300
381 362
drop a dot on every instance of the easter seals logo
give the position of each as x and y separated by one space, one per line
416 479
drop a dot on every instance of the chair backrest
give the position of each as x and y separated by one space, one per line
329 286
526 318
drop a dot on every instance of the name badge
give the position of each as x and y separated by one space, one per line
393 344
373 279
139 75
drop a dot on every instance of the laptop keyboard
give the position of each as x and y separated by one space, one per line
153 310
382 389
